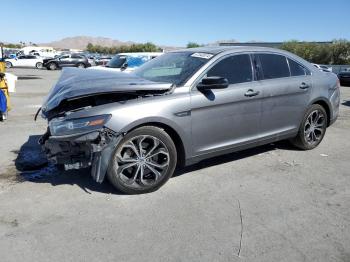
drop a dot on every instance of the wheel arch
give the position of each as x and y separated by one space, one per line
323 102
53 62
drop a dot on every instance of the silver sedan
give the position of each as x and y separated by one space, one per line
183 107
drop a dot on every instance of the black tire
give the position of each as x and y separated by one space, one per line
81 65
138 186
3 116
8 64
39 65
305 139
52 66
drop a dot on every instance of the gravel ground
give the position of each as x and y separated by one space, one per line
271 203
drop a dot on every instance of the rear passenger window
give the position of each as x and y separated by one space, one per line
237 69
297 69
274 66
77 56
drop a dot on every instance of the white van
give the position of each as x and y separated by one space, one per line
43 51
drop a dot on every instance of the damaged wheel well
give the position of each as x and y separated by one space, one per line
326 107
180 149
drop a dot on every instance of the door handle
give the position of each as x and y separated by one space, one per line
251 93
304 86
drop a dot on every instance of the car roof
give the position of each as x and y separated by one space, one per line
215 50
142 53
220 49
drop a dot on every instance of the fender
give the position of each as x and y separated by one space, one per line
161 121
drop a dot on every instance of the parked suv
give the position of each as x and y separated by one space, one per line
344 77
182 107
66 60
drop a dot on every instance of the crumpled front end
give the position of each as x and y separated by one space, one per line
77 136
93 149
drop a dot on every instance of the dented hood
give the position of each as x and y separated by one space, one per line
74 83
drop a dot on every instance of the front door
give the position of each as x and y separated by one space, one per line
224 118
21 61
65 60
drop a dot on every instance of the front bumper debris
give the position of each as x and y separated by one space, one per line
93 149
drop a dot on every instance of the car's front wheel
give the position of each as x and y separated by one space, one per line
8 64
143 161
312 128
52 66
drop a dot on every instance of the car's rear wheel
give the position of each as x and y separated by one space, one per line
312 128
39 65
8 64
52 66
143 161
80 65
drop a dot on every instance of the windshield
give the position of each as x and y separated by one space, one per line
174 68
136 61
117 61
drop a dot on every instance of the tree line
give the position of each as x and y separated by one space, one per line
335 53
146 47
18 46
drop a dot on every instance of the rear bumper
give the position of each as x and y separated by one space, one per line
93 149
335 104
333 120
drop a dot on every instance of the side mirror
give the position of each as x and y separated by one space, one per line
212 82
124 66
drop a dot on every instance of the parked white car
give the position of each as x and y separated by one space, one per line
128 62
25 61
323 67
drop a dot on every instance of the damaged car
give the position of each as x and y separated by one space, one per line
183 107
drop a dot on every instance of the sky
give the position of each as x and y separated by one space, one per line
176 22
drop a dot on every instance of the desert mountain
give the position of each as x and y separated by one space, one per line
80 42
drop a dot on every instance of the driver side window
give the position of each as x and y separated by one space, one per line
236 69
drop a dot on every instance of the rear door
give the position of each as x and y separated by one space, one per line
76 59
30 61
286 87
224 118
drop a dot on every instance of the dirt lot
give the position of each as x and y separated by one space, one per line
272 203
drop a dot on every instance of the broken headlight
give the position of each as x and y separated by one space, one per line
62 127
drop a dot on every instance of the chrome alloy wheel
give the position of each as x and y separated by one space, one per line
315 127
142 161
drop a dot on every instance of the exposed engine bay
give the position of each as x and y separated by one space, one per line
80 103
